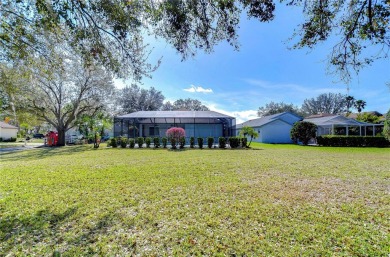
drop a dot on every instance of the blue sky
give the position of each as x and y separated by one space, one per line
263 70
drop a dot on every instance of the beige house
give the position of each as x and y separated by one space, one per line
7 131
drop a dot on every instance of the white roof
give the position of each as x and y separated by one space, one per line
336 120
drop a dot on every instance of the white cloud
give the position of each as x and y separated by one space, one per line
240 116
198 89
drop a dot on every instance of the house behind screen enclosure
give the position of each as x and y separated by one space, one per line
156 123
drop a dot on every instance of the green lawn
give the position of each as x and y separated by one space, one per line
271 201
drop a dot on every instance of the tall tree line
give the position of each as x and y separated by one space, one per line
134 98
330 103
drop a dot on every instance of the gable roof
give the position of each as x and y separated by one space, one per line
336 120
175 114
6 125
268 119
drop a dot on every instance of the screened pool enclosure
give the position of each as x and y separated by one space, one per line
156 123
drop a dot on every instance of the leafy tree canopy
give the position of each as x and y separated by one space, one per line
303 131
188 104
61 94
133 98
325 103
274 108
112 32
368 117
360 28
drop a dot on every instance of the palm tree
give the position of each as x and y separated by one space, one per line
249 131
359 105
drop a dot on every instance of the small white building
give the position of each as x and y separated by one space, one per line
273 129
7 131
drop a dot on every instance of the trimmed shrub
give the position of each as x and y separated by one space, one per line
234 142
123 142
182 142
140 141
173 142
156 142
174 134
192 142
148 141
221 142
243 141
131 142
210 142
164 142
386 126
114 142
200 142
303 131
352 141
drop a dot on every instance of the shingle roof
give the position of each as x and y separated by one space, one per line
175 114
6 125
264 120
336 120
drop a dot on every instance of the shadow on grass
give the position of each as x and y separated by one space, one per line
44 152
49 230
37 227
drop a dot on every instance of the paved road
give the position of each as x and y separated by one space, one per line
28 146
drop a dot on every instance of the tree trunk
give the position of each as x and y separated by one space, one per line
61 137
250 142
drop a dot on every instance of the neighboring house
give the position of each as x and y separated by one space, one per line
156 123
273 129
7 131
340 125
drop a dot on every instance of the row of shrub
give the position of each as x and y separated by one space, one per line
124 142
12 139
353 141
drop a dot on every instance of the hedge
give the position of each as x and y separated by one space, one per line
352 141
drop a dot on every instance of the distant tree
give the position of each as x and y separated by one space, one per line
168 106
249 132
93 125
325 103
359 105
350 102
274 108
4 100
188 104
303 131
133 99
386 129
368 117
